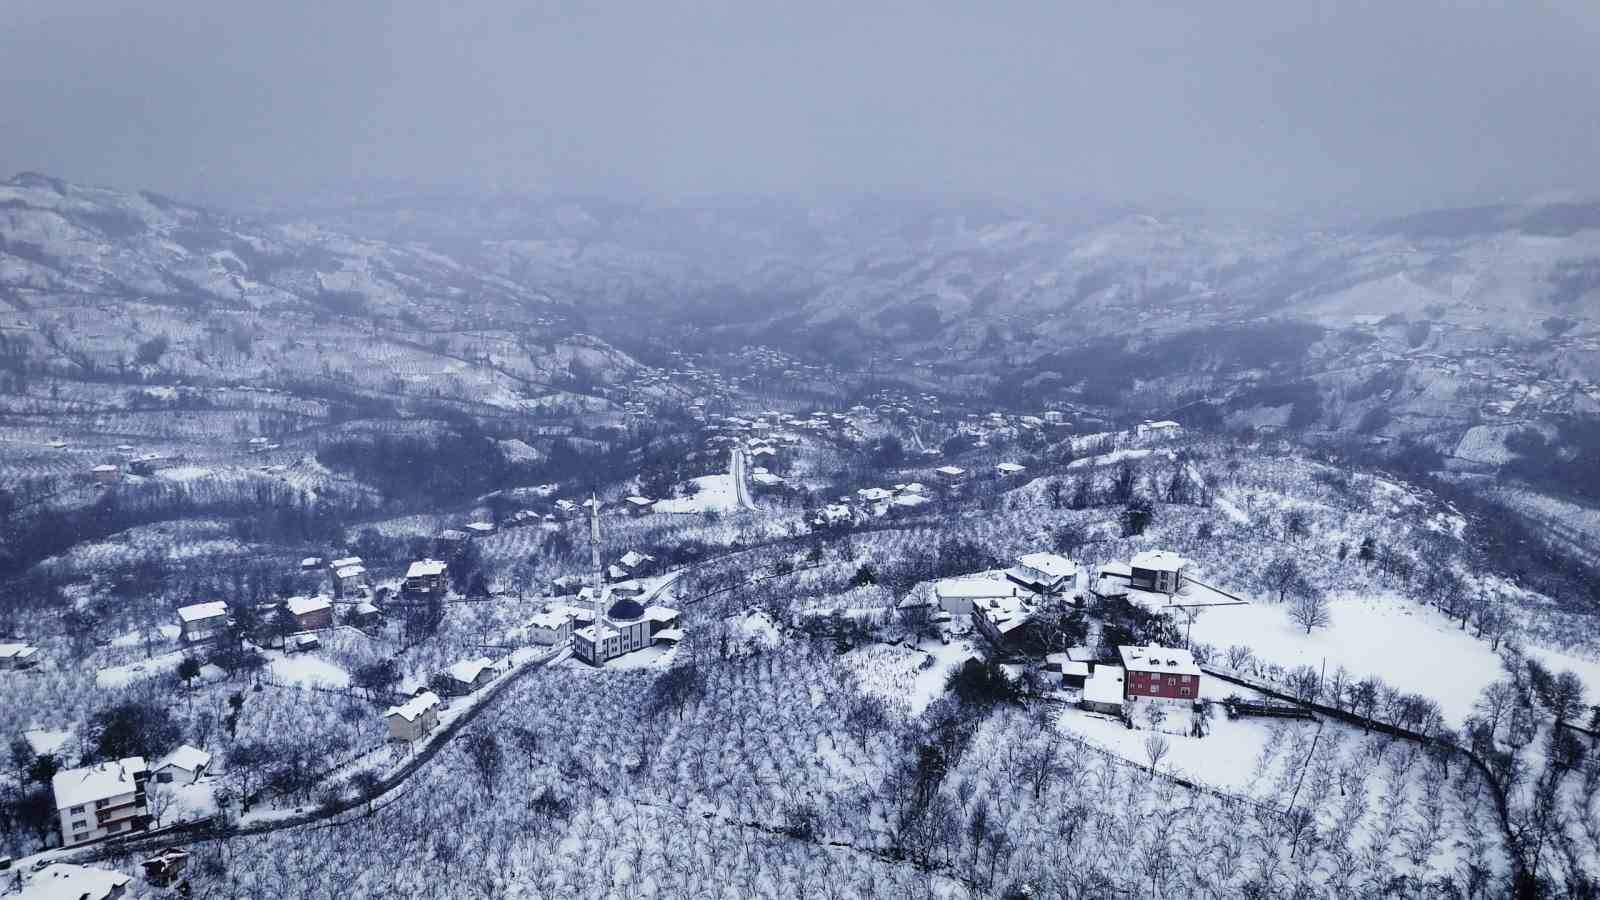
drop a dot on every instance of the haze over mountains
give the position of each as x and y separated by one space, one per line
1436 317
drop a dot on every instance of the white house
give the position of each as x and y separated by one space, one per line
184 765
412 720
1047 574
18 656
551 628
1157 570
67 881
1008 469
469 675
102 800
425 576
956 596
1103 690
202 621
951 474
480 529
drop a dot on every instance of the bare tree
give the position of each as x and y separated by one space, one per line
1281 574
1155 748
158 801
1310 610
1239 656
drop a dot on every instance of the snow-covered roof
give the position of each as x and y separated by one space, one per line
640 501
77 787
480 527
17 651
951 470
425 568
766 478
303 605
1117 569
196 612
633 559
468 671
414 707
350 572
1158 560
1010 468
310 562
366 608
104 468
67 881
1166 660
910 501
452 534
346 561
974 588
1105 686
660 613
671 635
873 494
915 487
552 620
187 757
1052 565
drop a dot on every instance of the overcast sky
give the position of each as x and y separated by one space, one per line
1287 105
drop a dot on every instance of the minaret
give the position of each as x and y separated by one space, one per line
599 579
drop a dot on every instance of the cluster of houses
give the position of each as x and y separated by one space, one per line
18 656
1142 675
200 623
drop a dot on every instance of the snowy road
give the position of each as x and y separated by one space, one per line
741 484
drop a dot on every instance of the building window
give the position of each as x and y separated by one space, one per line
1172 679
1186 692
80 824
101 804
1155 688
77 809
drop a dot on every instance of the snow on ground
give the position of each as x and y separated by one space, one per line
1116 456
184 473
1221 759
308 669
1409 646
44 740
1229 510
716 493
914 676
124 675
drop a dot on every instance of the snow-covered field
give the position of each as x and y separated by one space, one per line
1409 646
716 493
308 669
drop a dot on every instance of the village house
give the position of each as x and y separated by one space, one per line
200 622
184 765
640 506
349 578
1112 581
449 542
550 628
105 474
1045 574
67 881
425 576
1156 430
874 500
634 561
468 676
310 613
1074 673
310 563
951 474
301 643
1160 673
412 720
1000 618
1157 570
365 614
1009 469
18 656
101 800
479 529
1104 691
832 514
956 596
